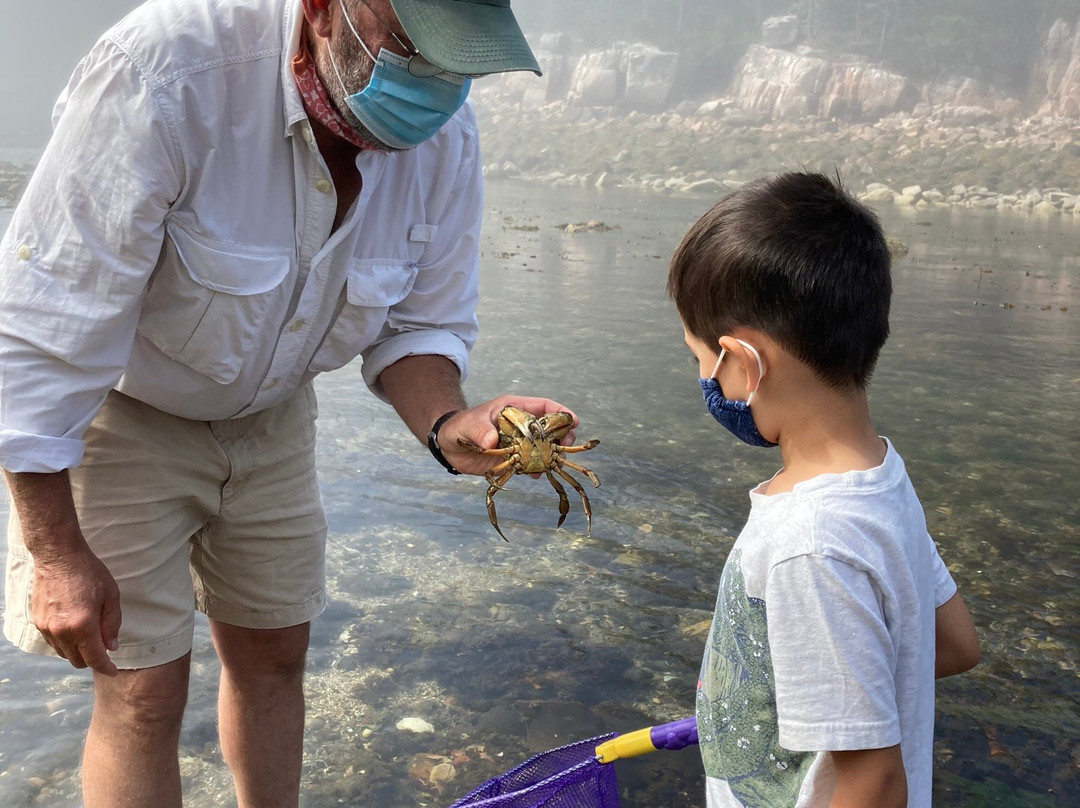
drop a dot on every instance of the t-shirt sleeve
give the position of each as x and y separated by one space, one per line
832 656
944 585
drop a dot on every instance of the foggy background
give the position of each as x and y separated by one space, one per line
40 44
997 41
920 105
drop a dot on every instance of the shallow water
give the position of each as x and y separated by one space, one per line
510 648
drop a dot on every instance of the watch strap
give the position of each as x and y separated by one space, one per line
433 441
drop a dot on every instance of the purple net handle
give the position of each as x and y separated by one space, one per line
676 735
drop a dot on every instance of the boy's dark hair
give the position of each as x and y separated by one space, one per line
798 258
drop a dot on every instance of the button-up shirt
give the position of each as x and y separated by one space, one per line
176 241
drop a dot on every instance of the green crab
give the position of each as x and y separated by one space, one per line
530 445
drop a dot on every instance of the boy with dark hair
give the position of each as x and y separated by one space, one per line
835 612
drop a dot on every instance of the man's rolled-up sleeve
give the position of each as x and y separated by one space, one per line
77 257
438 316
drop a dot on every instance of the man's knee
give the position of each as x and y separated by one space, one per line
150 700
279 652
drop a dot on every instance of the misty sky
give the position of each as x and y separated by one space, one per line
40 44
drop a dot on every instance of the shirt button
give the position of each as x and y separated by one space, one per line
322 185
270 385
296 325
307 134
24 252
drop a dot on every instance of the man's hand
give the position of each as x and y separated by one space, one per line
477 424
75 604
422 388
74 600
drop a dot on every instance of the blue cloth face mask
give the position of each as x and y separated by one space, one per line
734 416
400 109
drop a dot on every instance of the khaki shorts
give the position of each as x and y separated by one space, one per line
220 516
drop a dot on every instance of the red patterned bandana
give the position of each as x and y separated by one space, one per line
317 102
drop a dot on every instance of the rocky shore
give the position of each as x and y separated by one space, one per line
931 156
952 156
612 117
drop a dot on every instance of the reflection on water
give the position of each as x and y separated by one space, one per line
510 648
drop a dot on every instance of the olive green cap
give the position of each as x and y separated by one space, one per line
471 37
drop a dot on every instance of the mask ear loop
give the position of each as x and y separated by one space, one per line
345 14
719 359
760 367
333 61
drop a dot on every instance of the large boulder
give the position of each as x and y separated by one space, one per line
650 75
1061 64
779 83
794 84
598 80
859 91
631 75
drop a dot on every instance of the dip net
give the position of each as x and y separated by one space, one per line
578 775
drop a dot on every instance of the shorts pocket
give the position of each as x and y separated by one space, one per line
372 287
207 300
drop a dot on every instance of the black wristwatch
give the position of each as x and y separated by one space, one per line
433 441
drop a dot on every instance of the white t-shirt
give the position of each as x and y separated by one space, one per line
822 639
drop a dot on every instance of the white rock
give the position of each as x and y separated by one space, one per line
878 195
414 723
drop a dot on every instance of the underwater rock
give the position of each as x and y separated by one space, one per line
431 772
415 724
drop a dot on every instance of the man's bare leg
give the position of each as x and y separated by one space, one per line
130 757
261 711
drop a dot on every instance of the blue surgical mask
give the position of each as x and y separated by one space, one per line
400 109
734 416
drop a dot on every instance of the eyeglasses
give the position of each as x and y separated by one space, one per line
418 66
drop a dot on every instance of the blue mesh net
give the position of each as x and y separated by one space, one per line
567 777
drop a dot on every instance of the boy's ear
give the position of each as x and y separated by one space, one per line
746 359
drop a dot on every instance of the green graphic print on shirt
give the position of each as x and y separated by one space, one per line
736 702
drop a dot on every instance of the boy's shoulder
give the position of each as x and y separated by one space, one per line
861 517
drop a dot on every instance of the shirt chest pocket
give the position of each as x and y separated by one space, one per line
372 287
207 302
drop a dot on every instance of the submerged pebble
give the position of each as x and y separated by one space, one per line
414 723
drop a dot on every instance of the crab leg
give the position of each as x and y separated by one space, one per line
504 451
572 449
508 462
595 480
495 486
498 469
581 493
564 503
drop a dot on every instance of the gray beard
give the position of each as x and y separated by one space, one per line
355 67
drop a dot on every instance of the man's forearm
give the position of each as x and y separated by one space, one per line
46 511
421 388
